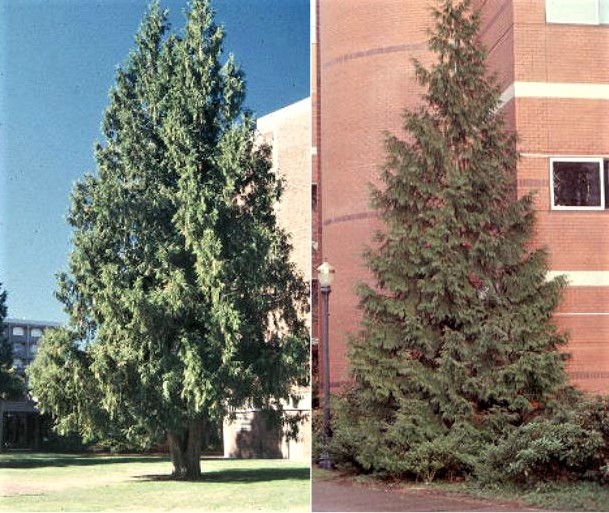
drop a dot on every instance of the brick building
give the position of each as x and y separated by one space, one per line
287 130
552 61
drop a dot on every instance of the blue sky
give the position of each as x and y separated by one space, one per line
57 63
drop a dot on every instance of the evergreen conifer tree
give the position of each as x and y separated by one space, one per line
181 297
457 344
11 385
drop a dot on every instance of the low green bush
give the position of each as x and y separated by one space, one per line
318 442
411 443
568 441
543 450
347 445
593 414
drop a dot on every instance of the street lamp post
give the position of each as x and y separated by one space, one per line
325 275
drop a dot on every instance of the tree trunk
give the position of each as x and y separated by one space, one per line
185 451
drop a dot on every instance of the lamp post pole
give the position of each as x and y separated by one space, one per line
325 276
325 294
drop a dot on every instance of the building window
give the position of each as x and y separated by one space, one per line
36 333
18 331
580 12
578 184
33 349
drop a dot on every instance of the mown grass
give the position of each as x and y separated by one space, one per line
45 482
554 496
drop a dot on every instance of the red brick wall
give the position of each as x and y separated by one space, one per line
367 81
497 34
522 47
576 241
365 47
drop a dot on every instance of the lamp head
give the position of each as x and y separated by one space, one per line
325 274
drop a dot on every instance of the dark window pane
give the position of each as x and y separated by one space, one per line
577 184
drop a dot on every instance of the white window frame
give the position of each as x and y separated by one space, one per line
601 170
18 331
35 333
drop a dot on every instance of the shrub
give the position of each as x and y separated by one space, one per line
593 414
441 457
544 450
51 441
410 444
318 442
348 446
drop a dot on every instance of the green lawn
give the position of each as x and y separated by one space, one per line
51 482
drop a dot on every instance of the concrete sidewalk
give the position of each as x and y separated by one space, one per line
347 496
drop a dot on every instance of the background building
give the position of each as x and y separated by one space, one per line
19 420
288 131
551 58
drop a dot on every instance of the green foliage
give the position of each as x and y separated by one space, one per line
51 441
181 297
318 445
409 442
592 414
457 335
563 496
570 441
544 450
548 496
12 386
350 446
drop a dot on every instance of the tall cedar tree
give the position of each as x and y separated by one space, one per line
457 342
11 385
182 301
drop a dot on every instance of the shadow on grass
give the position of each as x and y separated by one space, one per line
67 460
241 475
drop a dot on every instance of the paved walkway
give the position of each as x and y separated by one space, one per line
346 496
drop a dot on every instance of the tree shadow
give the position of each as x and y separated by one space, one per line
241 475
48 460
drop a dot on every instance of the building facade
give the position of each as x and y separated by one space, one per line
19 419
551 58
288 131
